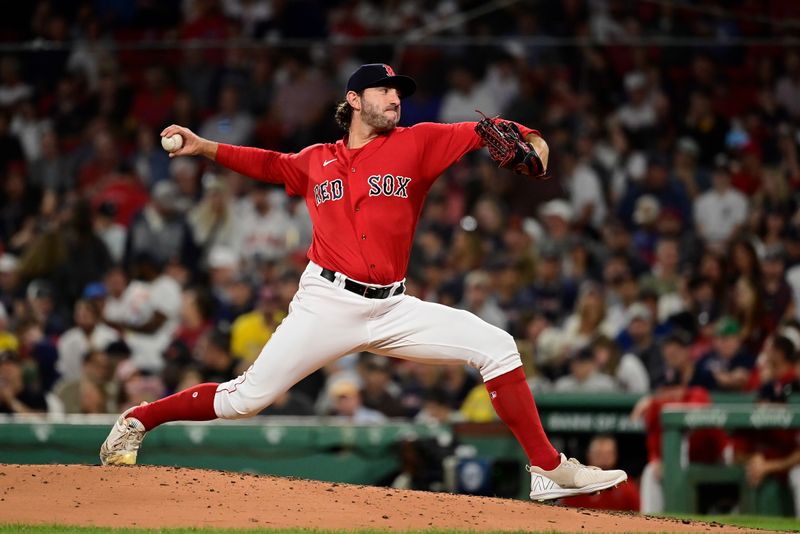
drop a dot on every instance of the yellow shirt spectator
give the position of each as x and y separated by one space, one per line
477 407
251 331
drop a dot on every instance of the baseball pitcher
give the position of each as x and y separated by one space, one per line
365 195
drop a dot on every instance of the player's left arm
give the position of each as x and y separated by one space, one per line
441 145
513 146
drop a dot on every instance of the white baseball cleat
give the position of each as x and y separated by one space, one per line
571 477
123 442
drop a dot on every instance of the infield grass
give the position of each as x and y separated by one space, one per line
781 524
774 524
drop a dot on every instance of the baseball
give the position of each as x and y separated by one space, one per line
172 143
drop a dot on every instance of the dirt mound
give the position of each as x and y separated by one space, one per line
176 497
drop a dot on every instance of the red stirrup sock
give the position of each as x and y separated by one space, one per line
193 404
513 401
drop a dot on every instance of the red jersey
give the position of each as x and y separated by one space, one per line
364 203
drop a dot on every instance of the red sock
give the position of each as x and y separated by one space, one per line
193 404
513 402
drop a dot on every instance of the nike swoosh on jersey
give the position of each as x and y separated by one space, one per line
328 162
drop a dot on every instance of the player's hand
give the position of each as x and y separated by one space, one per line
641 407
193 144
757 469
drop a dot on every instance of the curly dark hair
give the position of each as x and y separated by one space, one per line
344 114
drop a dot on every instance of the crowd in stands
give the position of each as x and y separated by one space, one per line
663 252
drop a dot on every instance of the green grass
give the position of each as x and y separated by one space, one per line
56 529
783 524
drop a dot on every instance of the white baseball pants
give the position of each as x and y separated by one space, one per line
326 322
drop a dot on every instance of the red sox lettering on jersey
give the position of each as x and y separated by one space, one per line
364 203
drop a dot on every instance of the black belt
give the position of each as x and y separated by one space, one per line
365 291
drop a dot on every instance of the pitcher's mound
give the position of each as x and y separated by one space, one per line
146 496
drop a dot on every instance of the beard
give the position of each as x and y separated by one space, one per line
373 116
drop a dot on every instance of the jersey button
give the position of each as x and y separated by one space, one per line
358 209
353 169
371 265
363 236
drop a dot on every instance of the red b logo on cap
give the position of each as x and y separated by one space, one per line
389 71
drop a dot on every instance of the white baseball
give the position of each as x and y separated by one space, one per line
172 143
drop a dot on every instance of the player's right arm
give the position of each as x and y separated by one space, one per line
257 163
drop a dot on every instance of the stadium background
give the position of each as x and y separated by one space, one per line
671 214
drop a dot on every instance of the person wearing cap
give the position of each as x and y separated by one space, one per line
365 194
656 182
722 210
345 401
728 366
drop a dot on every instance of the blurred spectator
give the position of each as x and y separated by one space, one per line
231 125
16 394
589 319
586 195
217 364
720 211
627 369
704 445
50 169
149 161
264 228
774 453
345 400
787 89
728 366
465 95
153 102
378 391
90 391
158 230
585 375
147 312
290 403
602 452
251 331
195 317
638 114
13 88
8 341
213 221
112 234
479 300
88 335
639 340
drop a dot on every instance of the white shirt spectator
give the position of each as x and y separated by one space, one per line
264 235
74 344
460 107
585 190
631 375
787 93
140 301
596 383
717 214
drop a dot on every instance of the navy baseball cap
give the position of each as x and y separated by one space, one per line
380 75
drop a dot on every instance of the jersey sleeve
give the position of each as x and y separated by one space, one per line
444 144
267 166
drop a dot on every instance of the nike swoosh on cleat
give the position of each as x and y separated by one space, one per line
328 162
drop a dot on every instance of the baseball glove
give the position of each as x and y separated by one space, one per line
508 148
